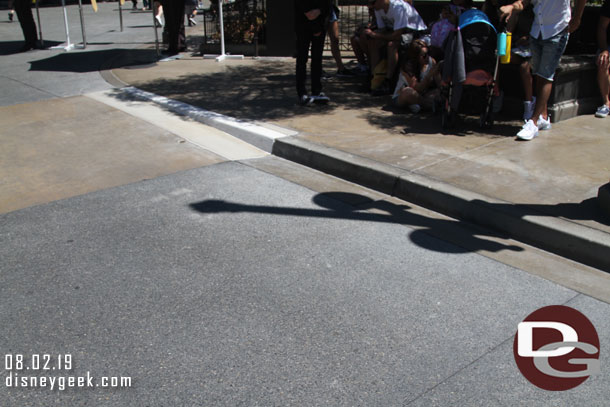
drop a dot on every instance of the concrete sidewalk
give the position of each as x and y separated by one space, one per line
542 192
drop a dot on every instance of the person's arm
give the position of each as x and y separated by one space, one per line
579 7
507 11
424 84
602 41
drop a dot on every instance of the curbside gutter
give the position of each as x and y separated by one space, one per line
567 239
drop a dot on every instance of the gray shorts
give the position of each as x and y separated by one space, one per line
546 54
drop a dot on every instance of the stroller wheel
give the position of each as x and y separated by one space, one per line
486 120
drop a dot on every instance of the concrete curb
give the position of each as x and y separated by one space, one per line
260 136
568 239
603 198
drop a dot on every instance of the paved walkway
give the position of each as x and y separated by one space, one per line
552 181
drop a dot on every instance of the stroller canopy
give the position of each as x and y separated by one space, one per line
474 16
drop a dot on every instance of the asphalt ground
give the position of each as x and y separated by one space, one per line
223 283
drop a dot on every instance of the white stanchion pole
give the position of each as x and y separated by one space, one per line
68 46
222 56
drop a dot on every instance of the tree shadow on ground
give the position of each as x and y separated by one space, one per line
350 206
266 91
14 47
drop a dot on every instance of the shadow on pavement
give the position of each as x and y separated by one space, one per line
92 61
266 91
14 47
349 206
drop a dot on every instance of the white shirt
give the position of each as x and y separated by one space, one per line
400 15
550 17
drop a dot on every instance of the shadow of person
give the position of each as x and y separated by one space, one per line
429 233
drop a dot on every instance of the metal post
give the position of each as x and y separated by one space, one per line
222 30
82 23
39 26
155 28
68 45
222 56
121 15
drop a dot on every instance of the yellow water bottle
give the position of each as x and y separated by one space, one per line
505 59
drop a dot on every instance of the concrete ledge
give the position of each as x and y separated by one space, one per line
260 136
603 198
568 239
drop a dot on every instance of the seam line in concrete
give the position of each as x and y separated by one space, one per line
452 157
30 86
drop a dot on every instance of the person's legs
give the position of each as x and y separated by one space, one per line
551 51
333 35
303 41
603 79
407 96
358 50
23 8
392 59
546 55
317 48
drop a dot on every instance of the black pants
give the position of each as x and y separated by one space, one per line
305 38
23 8
174 23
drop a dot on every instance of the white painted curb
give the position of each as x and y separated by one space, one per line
257 135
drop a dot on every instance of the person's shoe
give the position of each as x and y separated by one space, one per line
529 131
158 21
10 16
414 108
305 100
169 52
324 76
192 20
345 73
320 99
602 111
544 124
528 109
362 70
383 89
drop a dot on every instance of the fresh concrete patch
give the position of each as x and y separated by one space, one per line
60 148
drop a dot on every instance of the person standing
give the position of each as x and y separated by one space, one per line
174 24
603 61
553 23
310 23
23 8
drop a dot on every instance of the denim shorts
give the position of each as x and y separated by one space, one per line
547 53
333 16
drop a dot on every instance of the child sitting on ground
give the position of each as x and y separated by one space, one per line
419 79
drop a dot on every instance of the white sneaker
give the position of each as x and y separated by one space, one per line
528 132
528 109
544 124
320 98
305 100
602 111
